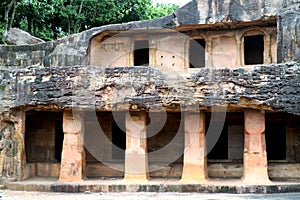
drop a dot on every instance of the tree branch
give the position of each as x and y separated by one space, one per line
79 12
12 15
7 10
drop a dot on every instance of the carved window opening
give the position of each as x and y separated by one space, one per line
275 138
141 53
43 137
254 49
197 53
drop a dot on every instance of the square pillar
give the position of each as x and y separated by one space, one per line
73 155
255 155
136 158
194 159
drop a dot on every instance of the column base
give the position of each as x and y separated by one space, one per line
72 168
193 173
194 165
73 160
136 178
255 169
136 167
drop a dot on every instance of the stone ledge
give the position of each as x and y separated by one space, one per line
236 187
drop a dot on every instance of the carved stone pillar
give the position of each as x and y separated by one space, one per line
195 160
136 158
268 50
239 62
208 53
255 155
73 155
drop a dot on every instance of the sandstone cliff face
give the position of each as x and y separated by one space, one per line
216 11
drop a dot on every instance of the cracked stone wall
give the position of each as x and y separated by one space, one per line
274 87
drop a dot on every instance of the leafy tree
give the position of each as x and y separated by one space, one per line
2 30
38 15
161 10
50 19
6 17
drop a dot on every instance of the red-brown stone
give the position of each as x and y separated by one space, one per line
73 155
136 158
255 155
195 161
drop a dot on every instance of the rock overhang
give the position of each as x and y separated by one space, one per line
273 88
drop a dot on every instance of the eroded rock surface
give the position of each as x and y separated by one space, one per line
17 36
274 87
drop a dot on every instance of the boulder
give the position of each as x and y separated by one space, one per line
17 36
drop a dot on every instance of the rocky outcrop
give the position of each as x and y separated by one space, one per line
289 34
17 36
274 87
216 11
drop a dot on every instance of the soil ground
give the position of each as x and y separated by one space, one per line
17 195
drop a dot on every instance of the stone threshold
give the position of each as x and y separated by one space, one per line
43 184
